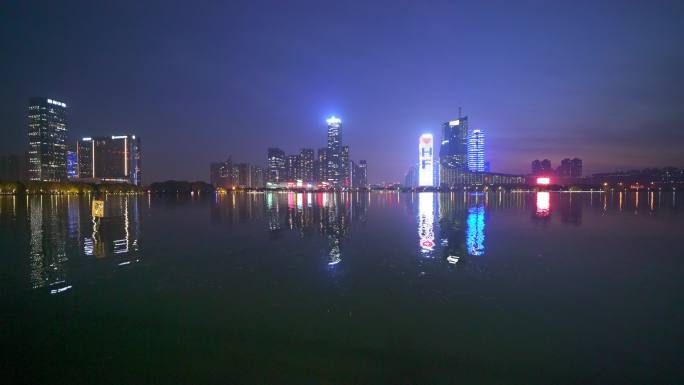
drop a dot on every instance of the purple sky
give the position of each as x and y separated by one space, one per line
198 81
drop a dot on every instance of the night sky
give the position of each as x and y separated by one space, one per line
199 81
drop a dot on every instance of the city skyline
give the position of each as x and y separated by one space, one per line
564 96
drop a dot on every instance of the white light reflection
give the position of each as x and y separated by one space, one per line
426 223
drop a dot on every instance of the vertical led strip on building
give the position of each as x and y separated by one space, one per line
425 167
93 156
126 156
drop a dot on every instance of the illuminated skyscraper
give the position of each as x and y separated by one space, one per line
334 172
345 167
276 165
72 164
453 151
47 133
306 163
110 158
362 175
221 174
322 165
476 151
426 173
294 171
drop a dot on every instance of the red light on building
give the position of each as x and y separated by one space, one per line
544 181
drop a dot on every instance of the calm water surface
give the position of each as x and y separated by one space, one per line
344 288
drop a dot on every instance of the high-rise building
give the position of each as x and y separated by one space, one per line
72 163
565 168
84 157
426 173
570 168
306 160
294 170
257 177
476 152
112 159
322 165
411 178
47 133
546 167
334 154
221 174
453 151
576 168
346 167
244 175
362 175
536 167
358 178
276 165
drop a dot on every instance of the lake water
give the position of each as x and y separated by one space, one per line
372 288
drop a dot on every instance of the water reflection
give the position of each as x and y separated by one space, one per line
328 215
60 226
543 204
47 242
426 223
475 230
57 234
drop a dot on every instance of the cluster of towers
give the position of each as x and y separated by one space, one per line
111 158
329 168
568 168
461 154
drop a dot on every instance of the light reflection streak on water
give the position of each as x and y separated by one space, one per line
543 204
426 223
475 230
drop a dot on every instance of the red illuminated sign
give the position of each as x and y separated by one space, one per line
543 181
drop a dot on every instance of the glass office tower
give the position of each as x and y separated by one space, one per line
47 133
476 152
